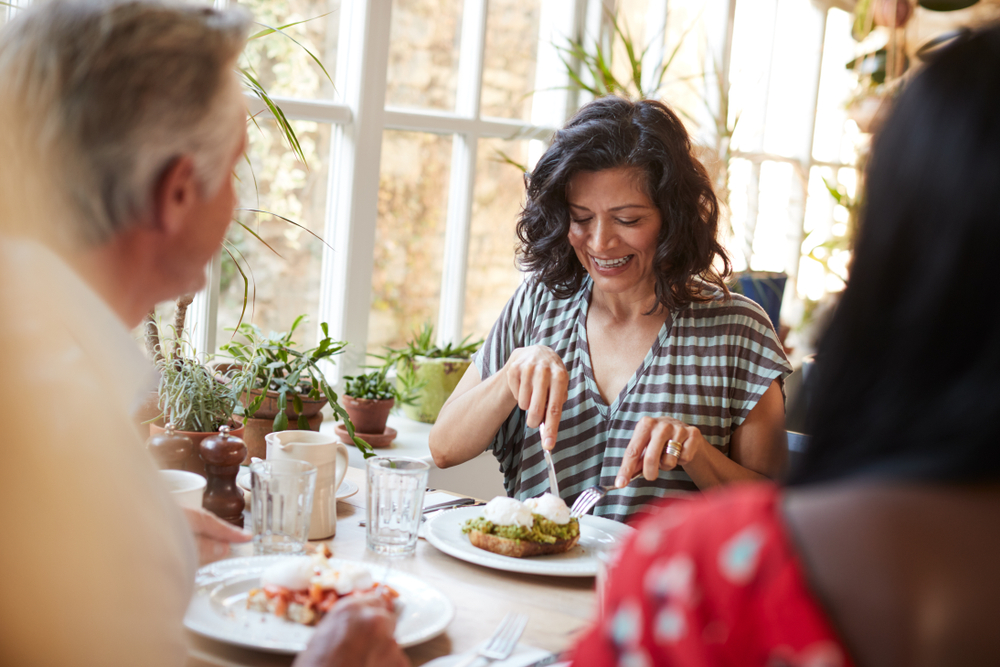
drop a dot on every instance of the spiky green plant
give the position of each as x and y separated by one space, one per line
193 396
276 365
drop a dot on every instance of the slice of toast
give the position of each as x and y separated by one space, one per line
519 548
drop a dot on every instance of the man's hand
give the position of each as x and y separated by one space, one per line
356 633
213 534
537 378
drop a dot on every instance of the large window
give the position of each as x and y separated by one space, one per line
416 120
407 172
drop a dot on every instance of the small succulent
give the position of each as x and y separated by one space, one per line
372 386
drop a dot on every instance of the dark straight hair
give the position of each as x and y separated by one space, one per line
613 132
907 381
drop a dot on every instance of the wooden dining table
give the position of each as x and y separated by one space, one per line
557 607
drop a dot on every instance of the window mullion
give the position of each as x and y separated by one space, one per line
800 188
202 318
463 174
352 204
656 28
554 100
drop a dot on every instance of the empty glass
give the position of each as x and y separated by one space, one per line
395 499
281 505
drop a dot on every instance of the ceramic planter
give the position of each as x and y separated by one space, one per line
438 377
767 289
194 462
368 414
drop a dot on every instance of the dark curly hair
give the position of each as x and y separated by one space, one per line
613 132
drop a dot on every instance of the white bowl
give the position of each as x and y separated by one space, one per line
187 488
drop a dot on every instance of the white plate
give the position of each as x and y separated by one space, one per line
219 611
444 531
346 489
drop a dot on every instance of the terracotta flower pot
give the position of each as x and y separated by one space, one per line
257 430
269 407
194 462
368 414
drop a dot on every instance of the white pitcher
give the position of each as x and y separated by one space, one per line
330 458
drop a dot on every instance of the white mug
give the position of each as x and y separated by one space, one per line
329 456
186 488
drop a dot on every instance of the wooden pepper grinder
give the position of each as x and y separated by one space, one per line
222 455
170 449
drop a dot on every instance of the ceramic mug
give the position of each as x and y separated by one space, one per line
330 458
186 488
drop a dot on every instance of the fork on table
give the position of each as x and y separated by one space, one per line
501 644
590 497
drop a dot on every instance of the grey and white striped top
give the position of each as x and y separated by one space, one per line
708 367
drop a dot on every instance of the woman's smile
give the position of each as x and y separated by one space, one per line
611 264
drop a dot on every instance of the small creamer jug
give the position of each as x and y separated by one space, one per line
330 458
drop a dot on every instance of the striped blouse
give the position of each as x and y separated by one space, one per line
708 367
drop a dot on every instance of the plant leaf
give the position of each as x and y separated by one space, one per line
300 44
291 222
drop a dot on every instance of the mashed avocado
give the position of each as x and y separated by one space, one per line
542 530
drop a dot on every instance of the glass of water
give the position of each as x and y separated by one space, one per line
395 502
281 505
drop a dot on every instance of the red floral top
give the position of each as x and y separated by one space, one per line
712 581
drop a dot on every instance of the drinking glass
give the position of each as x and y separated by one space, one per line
395 499
607 555
281 505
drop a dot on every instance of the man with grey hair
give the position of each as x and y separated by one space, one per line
119 130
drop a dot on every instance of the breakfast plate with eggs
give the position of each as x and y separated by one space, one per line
239 601
509 525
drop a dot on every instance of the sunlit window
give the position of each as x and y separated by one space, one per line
427 184
423 54
276 259
409 241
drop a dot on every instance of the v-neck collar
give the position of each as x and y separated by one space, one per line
606 411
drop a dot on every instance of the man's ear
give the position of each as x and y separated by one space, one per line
176 195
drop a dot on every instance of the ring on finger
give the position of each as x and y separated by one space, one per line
674 448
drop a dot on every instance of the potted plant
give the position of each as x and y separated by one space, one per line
428 373
368 399
193 400
286 383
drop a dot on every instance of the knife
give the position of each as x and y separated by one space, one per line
553 481
448 504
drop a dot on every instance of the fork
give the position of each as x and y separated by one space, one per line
502 643
590 497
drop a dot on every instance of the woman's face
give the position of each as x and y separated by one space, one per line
613 229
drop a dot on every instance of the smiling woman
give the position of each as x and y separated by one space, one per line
624 340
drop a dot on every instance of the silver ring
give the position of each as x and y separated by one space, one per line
674 448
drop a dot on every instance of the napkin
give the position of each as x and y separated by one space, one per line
523 656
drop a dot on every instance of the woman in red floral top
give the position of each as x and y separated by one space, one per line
882 550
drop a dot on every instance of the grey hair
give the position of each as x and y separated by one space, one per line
109 94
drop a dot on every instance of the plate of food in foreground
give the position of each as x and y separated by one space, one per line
270 603
530 537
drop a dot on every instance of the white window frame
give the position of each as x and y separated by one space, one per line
359 118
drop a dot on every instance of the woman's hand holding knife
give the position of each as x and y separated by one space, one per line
537 378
